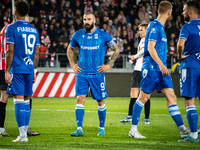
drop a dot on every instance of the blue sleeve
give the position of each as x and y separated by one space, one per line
108 40
37 40
73 42
184 34
10 35
153 34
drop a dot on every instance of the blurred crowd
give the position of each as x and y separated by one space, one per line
57 20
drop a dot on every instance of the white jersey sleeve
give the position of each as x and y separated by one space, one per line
140 55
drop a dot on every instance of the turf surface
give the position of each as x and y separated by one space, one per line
55 119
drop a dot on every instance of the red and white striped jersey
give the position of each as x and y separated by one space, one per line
3 47
140 55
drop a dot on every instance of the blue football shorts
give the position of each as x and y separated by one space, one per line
96 85
154 79
190 82
21 84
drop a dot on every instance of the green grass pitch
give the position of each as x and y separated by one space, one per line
55 119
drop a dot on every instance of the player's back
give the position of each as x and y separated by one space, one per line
155 32
24 36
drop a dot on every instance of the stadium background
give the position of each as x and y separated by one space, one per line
57 20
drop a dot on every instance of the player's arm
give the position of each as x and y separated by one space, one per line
9 59
138 55
154 55
36 61
104 68
70 55
180 48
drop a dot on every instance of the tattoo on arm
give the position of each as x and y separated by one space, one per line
115 48
9 56
36 57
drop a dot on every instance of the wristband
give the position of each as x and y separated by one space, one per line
35 70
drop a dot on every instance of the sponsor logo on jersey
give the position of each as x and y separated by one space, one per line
28 61
198 26
96 36
90 47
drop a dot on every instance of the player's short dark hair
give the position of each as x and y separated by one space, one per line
194 5
22 8
143 25
88 13
164 6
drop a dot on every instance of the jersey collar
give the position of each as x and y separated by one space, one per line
159 23
91 32
197 19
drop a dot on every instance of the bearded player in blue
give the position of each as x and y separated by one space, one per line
155 74
189 52
22 56
92 44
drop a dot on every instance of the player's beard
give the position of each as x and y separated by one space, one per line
187 18
88 29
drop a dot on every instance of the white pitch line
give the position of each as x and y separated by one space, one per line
90 111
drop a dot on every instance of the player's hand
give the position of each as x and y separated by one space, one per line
183 57
103 68
164 70
34 78
132 57
8 78
76 68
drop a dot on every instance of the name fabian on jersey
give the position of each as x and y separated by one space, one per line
90 47
26 29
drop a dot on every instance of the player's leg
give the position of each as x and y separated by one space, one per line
137 108
148 83
99 93
147 111
190 81
3 102
135 85
174 111
82 88
102 116
27 111
30 131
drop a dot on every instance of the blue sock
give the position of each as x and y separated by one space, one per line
28 112
137 108
20 113
102 115
176 115
192 118
79 114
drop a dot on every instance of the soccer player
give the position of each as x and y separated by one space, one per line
22 56
136 77
189 52
155 73
92 43
4 85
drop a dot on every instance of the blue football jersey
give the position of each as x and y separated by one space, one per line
191 33
25 37
91 49
155 32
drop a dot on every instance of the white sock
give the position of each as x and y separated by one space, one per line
134 127
22 131
182 128
79 128
194 135
2 129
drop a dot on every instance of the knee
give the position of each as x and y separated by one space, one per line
80 99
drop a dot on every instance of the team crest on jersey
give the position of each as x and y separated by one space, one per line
83 36
96 36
